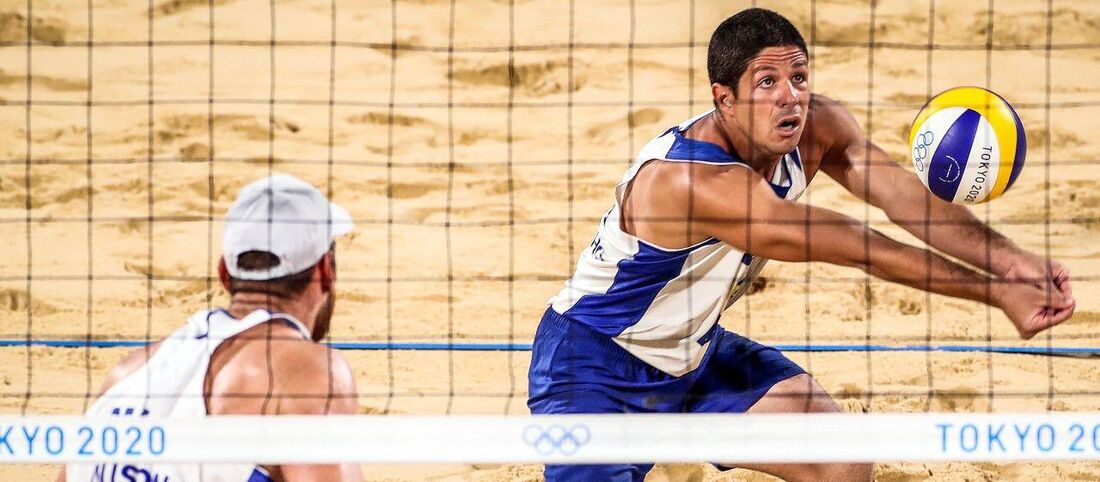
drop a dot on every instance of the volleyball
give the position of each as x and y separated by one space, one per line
967 145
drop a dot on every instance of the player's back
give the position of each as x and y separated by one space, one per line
215 364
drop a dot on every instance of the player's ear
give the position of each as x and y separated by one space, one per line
223 273
723 96
326 270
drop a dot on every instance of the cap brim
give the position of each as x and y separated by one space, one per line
341 221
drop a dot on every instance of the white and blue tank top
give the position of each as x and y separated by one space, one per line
662 304
172 384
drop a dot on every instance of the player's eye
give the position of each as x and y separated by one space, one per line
766 82
799 78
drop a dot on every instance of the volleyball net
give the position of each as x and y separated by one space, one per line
477 145
579 439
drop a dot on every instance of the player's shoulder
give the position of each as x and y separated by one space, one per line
827 114
306 367
671 187
306 359
300 361
274 359
818 101
829 125
290 355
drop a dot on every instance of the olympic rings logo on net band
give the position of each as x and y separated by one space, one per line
556 438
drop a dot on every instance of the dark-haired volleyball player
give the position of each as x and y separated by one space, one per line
704 206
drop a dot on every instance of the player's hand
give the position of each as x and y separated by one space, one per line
1033 308
1038 270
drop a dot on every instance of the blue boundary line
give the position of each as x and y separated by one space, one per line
413 346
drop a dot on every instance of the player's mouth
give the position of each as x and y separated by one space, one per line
788 126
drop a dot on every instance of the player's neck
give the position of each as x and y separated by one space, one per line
244 302
716 129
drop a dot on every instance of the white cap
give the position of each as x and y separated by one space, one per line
286 217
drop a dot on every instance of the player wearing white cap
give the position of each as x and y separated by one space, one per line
259 355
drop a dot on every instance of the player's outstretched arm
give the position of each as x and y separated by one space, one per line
755 220
867 171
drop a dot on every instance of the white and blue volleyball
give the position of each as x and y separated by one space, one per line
967 145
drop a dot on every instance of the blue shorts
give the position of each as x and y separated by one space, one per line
574 369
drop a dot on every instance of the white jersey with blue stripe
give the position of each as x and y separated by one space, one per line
171 384
661 304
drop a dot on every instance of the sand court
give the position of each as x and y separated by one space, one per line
477 173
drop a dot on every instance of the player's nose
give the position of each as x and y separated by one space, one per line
789 95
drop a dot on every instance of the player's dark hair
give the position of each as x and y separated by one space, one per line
288 286
741 37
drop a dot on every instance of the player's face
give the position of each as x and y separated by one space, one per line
773 97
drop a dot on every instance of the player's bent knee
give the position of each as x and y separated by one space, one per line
818 401
800 393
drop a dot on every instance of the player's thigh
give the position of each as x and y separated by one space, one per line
797 394
802 394
737 375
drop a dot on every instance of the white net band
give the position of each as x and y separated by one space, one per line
555 439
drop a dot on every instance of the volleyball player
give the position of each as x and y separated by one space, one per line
257 356
704 206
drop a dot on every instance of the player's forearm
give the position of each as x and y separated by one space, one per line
834 238
925 270
952 229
